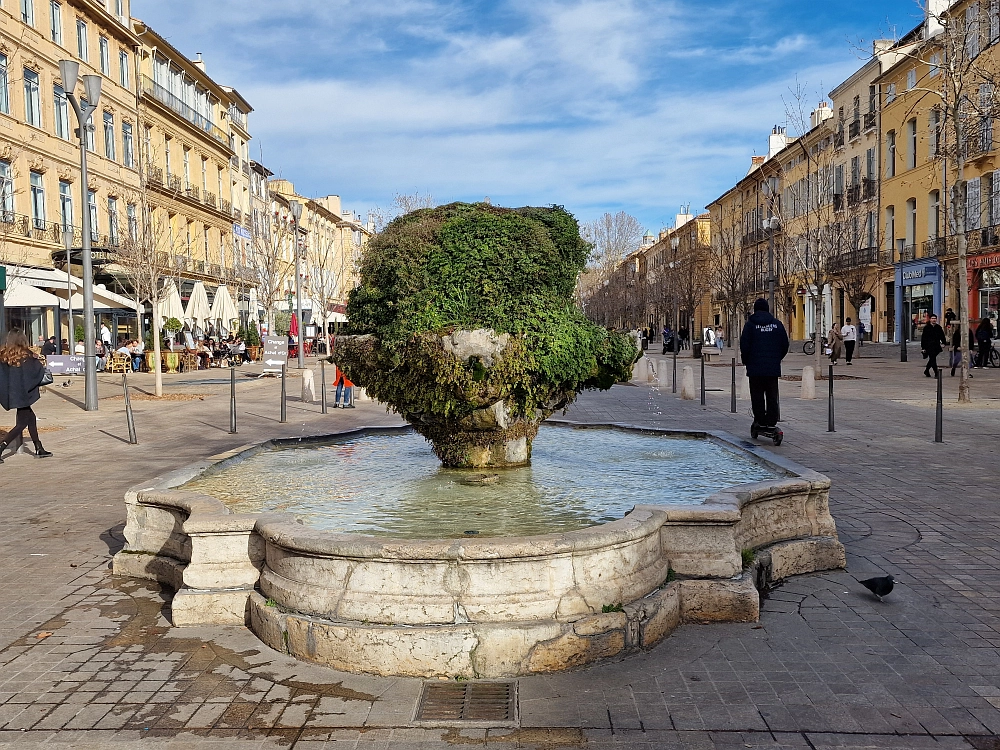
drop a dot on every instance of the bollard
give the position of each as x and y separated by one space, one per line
673 387
939 417
232 400
808 383
732 404
687 383
129 418
322 385
702 381
284 372
829 421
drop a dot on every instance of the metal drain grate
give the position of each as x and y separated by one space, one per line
467 701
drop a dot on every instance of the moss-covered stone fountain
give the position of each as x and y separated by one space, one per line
471 333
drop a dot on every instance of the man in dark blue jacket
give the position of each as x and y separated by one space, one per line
763 344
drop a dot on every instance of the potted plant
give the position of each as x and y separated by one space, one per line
173 326
251 337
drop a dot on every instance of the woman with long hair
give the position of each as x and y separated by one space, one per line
21 374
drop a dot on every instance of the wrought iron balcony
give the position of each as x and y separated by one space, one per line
935 247
908 252
990 236
838 139
869 120
854 129
209 199
838 201
869 189
162 95
854 194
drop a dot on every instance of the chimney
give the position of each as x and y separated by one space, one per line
199 63
932 16
777 141
821 114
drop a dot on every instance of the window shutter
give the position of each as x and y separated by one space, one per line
995 200
973 206
994 20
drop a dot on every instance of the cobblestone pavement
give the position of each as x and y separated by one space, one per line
90 661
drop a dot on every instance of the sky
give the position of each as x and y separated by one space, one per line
597 105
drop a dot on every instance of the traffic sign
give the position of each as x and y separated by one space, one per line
274 352
65 365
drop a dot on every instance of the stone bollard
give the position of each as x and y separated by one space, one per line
808 383
688 392
744 383
651 371
308 387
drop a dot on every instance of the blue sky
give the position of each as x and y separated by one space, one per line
599 105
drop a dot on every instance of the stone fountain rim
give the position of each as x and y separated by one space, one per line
283 530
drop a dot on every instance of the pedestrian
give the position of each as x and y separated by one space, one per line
21 374
106 337
668 338
956 350
949 316
850 334
684 335
984 340
835 343
49 347
861 334
345 387
645 339
763 344
720 339
932 341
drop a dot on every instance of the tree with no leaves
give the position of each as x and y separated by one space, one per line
613 237
402 204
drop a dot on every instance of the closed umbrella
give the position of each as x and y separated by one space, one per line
170 302
223 309
198 312
294 330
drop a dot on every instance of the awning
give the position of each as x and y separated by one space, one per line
41 277
26 295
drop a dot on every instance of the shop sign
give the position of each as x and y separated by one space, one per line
64 365
920 273
241 231
987 260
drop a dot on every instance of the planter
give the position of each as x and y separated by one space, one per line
254 352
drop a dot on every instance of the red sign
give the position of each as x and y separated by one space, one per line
987 260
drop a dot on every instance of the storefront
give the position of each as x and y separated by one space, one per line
984 286
918 295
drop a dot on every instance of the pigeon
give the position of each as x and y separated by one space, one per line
881 586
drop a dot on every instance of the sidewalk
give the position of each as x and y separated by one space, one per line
87 660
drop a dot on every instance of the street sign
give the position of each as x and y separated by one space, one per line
274 352
64 365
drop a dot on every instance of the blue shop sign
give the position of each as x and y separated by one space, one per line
924 274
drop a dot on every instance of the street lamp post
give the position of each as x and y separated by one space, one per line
296 208
68 244
770 224
69 70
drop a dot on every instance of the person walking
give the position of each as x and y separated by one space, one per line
720 339
932 341
21 374
956 350
984 341
835 343
850 334
684 336
668 338
763 344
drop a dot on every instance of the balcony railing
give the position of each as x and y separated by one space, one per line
935 247
855 258
162 95
225 206
854 194
154 175
869 120
838 139
869 189
838 201
234 161
209 199
990 236
907 252
174 183
237 216
979 139
885 257
191 192
854 129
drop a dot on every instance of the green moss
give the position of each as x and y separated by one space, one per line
612 608
472 266
748 556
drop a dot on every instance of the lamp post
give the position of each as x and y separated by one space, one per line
770 224
69 70
296 209
68 244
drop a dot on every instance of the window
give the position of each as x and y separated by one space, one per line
55 22
972 31
109 136
911 79
166 153
28 12
204 175
890 227
81 40
934 215
911 222
973 204
911 137
37 200
890 153
994 21
994 207
123 69
187 167
870 164
935 65
133 221
66 206
128 148
147 143
4 90
890 93
872 239
6 192
89 130
92 204
32 105
105 51
120 9
61 112
204 230
113 222
872 98
934 131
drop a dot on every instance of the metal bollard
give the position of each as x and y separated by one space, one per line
322 385
829 421
673 388
939 417
284 410
232 400
732 402
129 418
703 380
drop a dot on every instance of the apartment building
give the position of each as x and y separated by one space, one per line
41 195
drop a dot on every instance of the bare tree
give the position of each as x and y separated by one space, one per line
402 204
613 237
731 266
270 249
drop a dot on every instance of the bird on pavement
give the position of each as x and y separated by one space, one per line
880 586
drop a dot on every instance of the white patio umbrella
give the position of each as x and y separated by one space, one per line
223 309
170 303
198 312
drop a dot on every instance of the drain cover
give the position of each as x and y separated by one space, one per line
467 701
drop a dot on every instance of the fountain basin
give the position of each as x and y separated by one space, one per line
478 607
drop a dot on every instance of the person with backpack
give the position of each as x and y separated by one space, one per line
763 344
